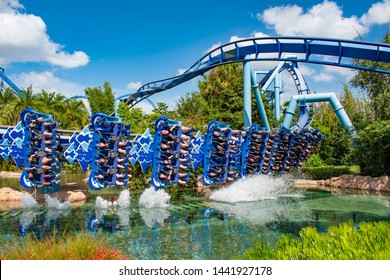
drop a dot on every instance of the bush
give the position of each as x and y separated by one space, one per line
372 153
314 161
327 172
368 241
70 247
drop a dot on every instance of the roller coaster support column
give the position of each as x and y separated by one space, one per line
277 84
247 95
9 82
319 97
259 101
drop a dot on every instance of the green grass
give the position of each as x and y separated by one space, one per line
327 172
71 247
371 241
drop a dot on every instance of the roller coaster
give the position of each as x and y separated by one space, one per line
174 151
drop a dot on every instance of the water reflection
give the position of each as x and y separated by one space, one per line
194 228
154 216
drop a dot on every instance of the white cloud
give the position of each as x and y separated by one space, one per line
379 13
24 38
343 71
306 70
134 85
257 34
323 20
323 77
181 71
49 82
214 46
10 6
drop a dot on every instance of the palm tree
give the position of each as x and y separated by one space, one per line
25 99
7 98
74 116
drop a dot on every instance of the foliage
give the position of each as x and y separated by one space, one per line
327 172
140 180
137 119
8 165
314 161
192 108
368 241
101 100
337 148
71 114
376 85
71 247
223 91
373 149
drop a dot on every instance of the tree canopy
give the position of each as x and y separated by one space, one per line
101 99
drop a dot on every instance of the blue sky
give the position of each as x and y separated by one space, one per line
67 45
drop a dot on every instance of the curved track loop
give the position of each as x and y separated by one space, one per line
309 50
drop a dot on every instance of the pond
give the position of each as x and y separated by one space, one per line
192 227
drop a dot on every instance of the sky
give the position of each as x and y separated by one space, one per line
68 45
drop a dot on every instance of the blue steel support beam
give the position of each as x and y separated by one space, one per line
272 77
319 97
247 95
9 82
259 101
277 84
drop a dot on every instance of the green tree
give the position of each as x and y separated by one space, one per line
137 119
101 99
376 85
162 109
75 115
7 115
191 109
223 92
373 150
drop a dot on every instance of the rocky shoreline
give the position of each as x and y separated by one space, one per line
12 199
347 182
77 194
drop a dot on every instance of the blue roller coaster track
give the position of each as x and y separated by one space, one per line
322 51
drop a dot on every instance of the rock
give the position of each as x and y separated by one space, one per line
7 174
366 183
202 190
305 184
10 199
8 194
76 196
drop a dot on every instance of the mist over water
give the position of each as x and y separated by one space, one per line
152 198
253 188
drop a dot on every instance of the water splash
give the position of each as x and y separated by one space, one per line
152 198
54 203
28 201
123 201
253 188
102 203
261 212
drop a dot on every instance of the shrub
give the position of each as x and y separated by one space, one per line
327 172
373 149
368 241
71 247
